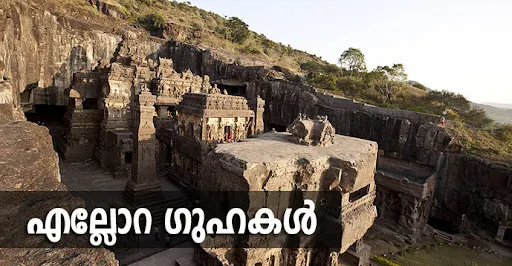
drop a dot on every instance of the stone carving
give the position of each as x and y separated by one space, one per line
171 85
312 132
215 90
6 96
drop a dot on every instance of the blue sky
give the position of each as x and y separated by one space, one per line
463 46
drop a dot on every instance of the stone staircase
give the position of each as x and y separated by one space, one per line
443 236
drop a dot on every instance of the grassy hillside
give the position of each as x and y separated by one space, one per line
227 36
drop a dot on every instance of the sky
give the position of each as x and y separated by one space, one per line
464 46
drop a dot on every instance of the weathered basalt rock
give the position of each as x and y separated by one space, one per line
474 196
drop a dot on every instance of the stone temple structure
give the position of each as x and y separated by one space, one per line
339 178
203 121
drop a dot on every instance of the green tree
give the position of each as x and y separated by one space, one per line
152 22
353 60
504 133
388 80
457 102
238 30
477 117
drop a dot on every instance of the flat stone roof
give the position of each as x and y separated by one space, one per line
273 147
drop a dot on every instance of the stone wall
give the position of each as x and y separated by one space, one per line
401 134
474 195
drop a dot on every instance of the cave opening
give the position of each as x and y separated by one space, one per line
443 225
507 237
278 128
128 158
90 103
46 114
168 153
50 116
234 90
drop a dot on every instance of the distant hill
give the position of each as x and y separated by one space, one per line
418 85
500 105
501 115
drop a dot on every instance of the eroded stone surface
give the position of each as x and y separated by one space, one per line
346 167
29 163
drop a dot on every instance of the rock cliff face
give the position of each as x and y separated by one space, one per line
474 195
42 48
29 163
400 134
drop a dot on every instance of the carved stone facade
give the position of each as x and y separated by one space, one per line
203 121
99 117
115 105
404 196
82 117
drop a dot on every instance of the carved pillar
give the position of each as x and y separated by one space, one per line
143 180
501 233
258 106
121 169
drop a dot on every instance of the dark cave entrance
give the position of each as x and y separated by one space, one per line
507 237
90 103
46 114
50 116
234 90
278 128
443 225
168 153
128 158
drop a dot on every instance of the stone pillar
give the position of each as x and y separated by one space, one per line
143 181
121 169
258 106
162 111
501 233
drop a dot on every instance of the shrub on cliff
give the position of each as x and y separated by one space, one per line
152 22
504 133
238 30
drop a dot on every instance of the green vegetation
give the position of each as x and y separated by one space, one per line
152 22
383 261
229 37
451 255
387 86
